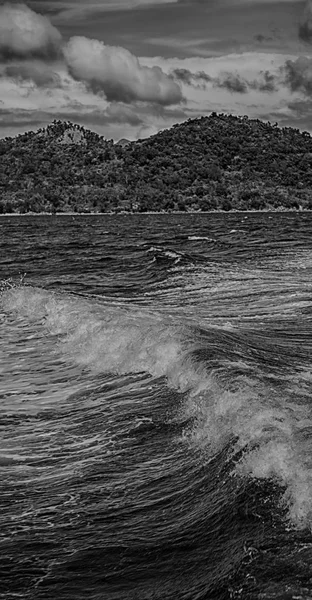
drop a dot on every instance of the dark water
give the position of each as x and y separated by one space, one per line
155 407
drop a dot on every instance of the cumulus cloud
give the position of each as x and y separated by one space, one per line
305 26
118 73
298 75
37 72
25 34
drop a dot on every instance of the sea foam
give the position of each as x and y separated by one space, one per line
270 433
108 337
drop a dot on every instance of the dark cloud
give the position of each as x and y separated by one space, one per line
203 2
31 119
201 75
183 75
262 38
26 34
298 75
305 26
37 72
266 84
118 74
231 82
187 77
301 114
298 115
118 120
236 84
21 118
122 113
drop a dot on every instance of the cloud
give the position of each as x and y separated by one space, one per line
121 113
77 9
113 115
300 114
266 84
187 77
26 34
298 75
115 121
295 114
231 82
305 27
235 83
262 38
118 73
37 72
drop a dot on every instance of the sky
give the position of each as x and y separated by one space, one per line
130 68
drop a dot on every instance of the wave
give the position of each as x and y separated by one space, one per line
161 254
195 238
225 396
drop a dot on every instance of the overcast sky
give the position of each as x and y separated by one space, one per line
128 68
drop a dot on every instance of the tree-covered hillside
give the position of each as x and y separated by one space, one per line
219 162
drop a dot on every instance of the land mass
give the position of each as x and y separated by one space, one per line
220 162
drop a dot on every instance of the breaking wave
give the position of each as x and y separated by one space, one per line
227 399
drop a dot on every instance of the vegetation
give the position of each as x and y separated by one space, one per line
219 162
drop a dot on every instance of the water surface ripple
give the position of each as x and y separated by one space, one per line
155 407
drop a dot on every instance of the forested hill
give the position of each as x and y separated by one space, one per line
219 162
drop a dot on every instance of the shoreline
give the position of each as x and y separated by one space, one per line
126 214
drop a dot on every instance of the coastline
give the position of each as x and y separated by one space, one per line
204 170
172 212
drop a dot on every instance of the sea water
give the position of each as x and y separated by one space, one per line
155 406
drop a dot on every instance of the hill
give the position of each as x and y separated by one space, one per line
219 162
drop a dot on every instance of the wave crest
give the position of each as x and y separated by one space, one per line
109 337
269 431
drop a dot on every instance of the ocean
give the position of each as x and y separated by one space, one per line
155 406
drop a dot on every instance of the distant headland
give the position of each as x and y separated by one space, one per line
220 162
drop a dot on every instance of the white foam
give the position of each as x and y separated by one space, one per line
199 237
108 338
272 431
169 253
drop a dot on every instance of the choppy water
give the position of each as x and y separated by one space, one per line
155 407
